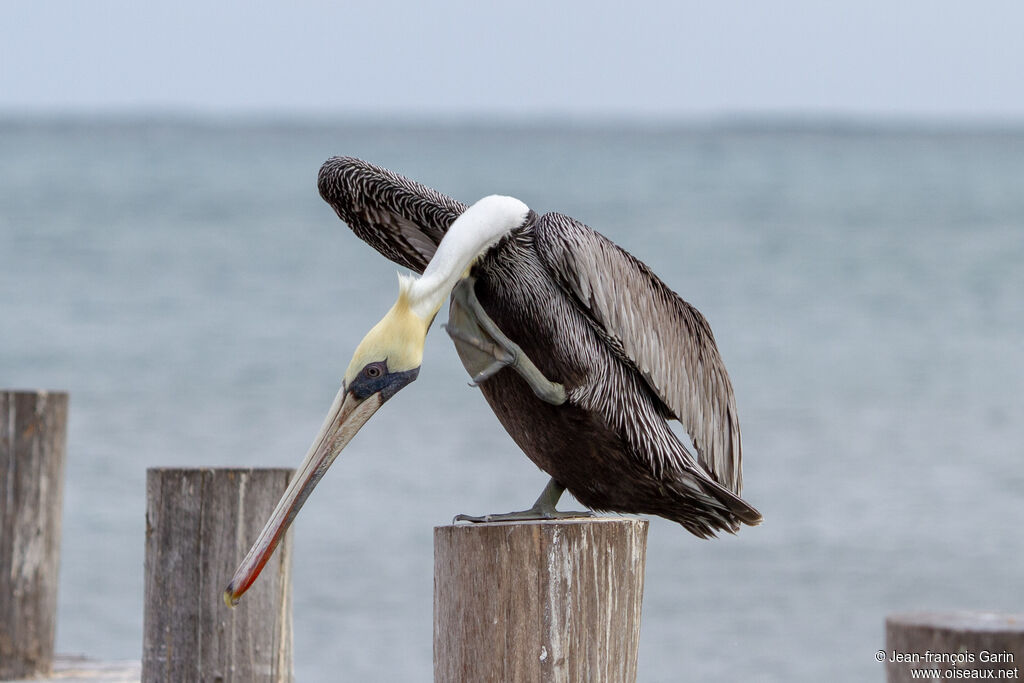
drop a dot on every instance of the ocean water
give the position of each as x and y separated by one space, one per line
183 280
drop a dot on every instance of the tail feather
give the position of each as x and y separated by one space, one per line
714 508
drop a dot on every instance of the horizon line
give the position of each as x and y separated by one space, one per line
775 119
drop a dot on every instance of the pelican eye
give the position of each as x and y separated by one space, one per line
374 371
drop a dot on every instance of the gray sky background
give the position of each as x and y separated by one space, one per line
942 59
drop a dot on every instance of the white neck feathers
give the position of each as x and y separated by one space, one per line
469 237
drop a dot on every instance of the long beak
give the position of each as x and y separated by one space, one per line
346 416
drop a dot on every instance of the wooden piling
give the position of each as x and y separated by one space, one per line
33 440
539 601
199 525
954 644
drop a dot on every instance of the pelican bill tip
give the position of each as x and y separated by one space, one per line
230 599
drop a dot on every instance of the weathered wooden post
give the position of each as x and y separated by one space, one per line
199 525
942 642
33 440
540 601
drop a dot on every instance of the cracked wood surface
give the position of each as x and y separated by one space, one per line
199 525
33 440
544 601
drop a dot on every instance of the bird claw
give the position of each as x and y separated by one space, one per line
487 374
483 519
491 370
502 357
533 514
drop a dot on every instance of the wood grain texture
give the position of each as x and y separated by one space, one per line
977 642
78 669
539 601
199 525
33 440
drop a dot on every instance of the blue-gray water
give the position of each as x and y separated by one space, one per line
189 288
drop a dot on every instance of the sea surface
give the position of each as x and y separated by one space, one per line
865 284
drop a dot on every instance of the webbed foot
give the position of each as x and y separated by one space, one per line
485 349
543 508
532 513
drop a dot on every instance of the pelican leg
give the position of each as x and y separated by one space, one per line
544 508
484 348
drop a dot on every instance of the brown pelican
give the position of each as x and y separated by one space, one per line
581 351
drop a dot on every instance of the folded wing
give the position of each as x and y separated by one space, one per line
666 339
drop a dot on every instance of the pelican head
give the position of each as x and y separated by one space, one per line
387 360
390 354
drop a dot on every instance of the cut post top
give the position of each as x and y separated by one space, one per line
567 521
963 620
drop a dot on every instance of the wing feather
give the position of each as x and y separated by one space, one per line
648 325
398 217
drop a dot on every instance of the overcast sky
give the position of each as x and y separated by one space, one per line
938 59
